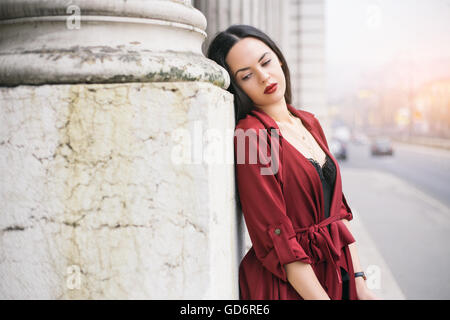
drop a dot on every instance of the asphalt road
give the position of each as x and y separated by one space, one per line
404 203
426 168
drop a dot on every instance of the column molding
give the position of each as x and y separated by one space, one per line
105 41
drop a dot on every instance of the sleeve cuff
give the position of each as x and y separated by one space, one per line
286 249
345 212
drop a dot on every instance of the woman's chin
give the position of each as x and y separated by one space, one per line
270 100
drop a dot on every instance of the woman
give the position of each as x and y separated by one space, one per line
297 217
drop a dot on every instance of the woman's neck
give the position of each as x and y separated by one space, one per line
278 111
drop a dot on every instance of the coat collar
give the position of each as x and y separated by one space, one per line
268 122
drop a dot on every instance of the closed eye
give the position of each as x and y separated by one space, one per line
264 64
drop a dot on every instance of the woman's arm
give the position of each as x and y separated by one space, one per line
361 288
355 258
302 277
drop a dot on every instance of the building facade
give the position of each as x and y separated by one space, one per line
296 26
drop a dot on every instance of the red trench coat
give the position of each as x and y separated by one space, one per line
284 213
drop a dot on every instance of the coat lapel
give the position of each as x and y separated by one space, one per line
309 123
308 120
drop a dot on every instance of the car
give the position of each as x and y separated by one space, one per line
381 146
338 148
360 139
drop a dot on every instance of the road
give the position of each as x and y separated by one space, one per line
426 168
403 203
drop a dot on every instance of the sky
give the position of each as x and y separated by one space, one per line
364 35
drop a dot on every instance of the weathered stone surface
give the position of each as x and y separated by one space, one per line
103 41
93 205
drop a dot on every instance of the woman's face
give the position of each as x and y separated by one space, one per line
254 66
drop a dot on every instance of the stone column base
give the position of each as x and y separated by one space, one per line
97 202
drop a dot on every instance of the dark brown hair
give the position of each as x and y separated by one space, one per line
218 51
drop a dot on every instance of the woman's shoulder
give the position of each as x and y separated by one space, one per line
249 122
306 114
252 121
309 116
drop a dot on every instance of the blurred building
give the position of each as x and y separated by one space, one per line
431 113
298 28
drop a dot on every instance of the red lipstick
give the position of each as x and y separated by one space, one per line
271 88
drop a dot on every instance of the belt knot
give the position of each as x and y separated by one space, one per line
311 230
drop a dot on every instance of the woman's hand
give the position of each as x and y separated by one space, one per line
362 291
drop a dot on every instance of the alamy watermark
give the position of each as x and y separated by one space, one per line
373 274
251 146
73 21
374 17
73 280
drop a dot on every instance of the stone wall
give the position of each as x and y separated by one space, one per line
99 197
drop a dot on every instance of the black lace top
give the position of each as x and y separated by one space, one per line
327 174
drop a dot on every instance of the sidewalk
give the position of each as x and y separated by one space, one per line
379 277
425 141
402 231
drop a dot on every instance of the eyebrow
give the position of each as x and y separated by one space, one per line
242 69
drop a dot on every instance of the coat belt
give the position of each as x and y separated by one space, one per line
318 241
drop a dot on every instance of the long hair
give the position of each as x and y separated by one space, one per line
218 51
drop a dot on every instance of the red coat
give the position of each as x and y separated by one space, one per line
284 213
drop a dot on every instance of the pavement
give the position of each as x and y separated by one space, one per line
380 279
402 233
440 143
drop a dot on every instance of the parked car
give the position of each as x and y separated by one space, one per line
381 146
338 148
360 139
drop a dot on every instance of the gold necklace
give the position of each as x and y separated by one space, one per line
308 143
305 137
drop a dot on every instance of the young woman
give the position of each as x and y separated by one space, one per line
297 217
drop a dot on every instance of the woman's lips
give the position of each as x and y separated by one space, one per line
271 88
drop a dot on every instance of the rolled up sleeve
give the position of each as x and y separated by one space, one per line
345 212
263 206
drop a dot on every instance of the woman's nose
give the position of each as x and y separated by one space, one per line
264 76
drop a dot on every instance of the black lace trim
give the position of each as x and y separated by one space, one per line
327 171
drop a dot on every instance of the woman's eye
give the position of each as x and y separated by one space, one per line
248 76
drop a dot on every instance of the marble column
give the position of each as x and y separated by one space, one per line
116 163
